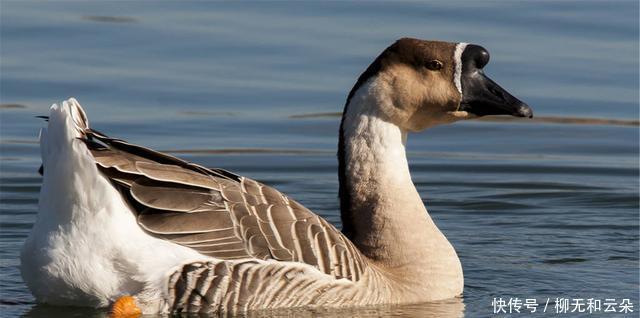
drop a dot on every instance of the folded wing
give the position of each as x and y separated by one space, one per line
221 214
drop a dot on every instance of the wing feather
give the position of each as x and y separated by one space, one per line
220 214
175 196
176 174
185 223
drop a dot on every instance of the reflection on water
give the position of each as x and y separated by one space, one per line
539 119
109 19
46 311
9 106
451 308
540 208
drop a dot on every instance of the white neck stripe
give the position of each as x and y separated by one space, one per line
457 59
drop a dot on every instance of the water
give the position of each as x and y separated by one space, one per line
535 210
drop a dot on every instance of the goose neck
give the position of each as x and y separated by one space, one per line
382 211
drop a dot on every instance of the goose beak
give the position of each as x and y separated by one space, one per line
480 95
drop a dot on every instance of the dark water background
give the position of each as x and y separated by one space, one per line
535 210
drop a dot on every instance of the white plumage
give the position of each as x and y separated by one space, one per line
86 247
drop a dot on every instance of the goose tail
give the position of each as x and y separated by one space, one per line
66 123
68 168
71 185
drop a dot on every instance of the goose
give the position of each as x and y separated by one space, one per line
141 231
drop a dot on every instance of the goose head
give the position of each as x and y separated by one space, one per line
417 84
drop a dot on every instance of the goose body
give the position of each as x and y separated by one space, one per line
118 219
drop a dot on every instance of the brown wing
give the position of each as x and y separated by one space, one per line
221 214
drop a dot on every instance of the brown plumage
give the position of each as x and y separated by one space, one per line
218 213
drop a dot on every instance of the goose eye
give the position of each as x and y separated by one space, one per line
434 65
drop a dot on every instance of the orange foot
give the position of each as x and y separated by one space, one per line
125 307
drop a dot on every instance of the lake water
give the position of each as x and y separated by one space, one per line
534 209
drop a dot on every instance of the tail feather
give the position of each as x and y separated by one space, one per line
77 114
66 123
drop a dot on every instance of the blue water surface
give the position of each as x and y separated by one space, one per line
535 210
